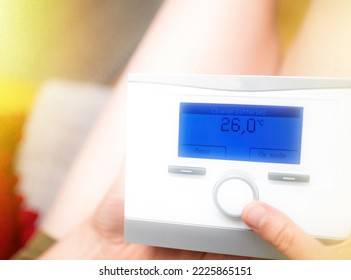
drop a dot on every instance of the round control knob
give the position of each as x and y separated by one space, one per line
233 191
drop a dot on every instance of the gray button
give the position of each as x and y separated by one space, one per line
289 177
189 170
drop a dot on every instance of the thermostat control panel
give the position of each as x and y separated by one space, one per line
199 148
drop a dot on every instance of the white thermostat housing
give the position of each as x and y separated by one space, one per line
199 148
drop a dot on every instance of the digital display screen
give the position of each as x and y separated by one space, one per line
256 133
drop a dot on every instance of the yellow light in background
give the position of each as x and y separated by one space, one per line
21 23
18 23
9 36
4 18
15 96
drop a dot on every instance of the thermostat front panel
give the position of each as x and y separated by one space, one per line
197 155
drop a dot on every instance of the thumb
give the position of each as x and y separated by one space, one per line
280 231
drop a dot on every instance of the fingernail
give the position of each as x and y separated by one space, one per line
255 216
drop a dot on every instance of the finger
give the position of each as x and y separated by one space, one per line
280 231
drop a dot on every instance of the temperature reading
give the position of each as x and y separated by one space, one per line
241 126
245 132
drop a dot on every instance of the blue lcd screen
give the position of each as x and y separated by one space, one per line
257 133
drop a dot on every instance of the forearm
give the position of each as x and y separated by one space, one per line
93 172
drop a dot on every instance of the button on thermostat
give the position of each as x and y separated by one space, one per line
233 191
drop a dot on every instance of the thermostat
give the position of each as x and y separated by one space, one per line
201 147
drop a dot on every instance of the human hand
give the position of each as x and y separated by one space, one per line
107 222
101 237
266 221
279 230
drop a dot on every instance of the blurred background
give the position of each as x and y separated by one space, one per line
83 40
59 60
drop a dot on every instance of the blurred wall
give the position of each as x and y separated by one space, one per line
85 40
